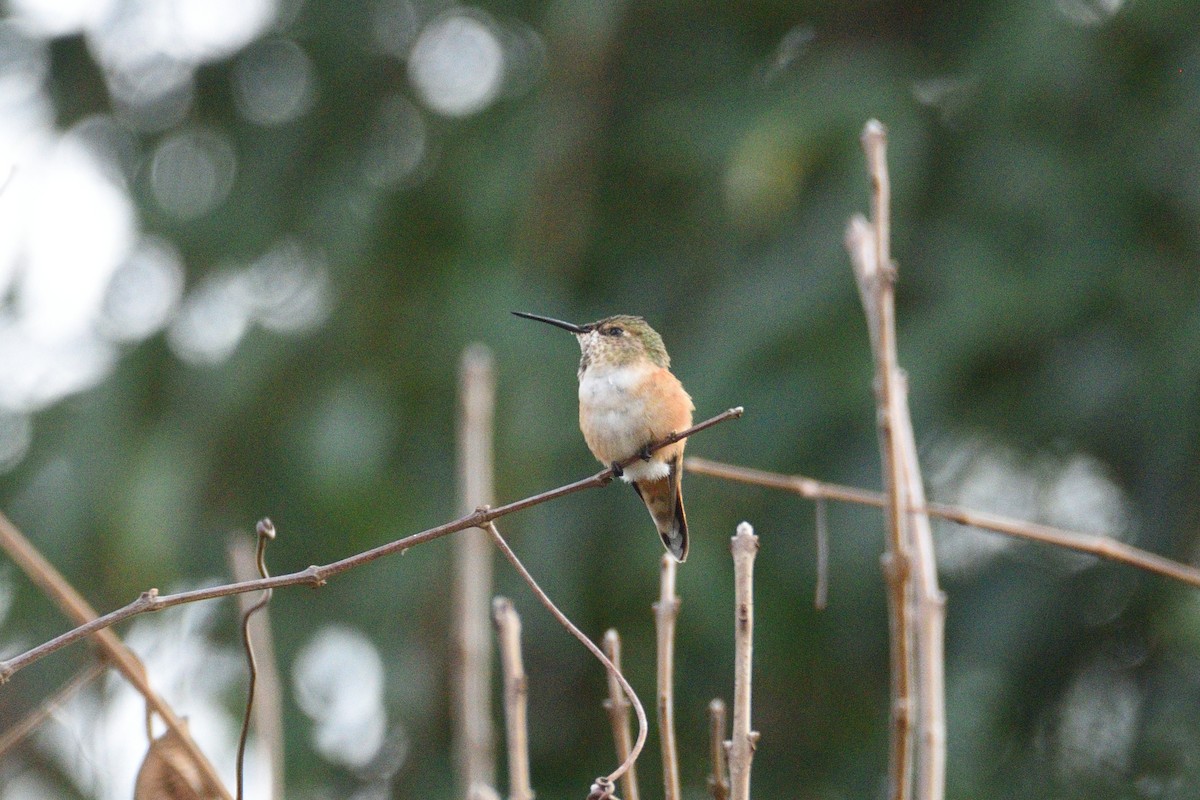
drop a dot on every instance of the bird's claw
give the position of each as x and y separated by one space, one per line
617 471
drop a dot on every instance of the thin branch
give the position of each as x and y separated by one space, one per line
744 740
618 714
916 602
43 574
876 276
268 702
266 532
666 612
474 740
718 782
317 576
1093 544
603 784
516 698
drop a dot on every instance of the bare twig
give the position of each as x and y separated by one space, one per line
604 784
666 612
316 576
516 697
474 740
28 724
618 714
744 740
1093 544
916 603
268 694
718 782
56 587
876 276
266 532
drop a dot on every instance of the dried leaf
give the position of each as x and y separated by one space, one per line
170 773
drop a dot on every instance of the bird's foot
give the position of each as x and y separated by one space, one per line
616 469
645 453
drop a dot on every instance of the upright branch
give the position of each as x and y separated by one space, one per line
666 612
618 714
317 576
744 740
869 248
917 604
516 698
718 781
474 740
56 587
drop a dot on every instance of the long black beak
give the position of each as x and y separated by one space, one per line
567 326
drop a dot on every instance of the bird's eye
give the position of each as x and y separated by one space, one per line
612 330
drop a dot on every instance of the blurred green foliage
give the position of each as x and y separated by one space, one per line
694 163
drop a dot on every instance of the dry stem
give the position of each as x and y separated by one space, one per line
666 612
474 740
876 277
56 587
317 576
916 603
718 782
618 714
602 784
516 696
744 740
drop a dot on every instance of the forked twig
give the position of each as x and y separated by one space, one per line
604 784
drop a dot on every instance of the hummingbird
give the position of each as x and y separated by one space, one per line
628 399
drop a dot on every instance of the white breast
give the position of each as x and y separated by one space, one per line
616 412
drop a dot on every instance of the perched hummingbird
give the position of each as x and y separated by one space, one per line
628 399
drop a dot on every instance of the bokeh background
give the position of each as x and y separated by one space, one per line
243 244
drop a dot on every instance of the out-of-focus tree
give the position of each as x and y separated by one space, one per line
243 243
